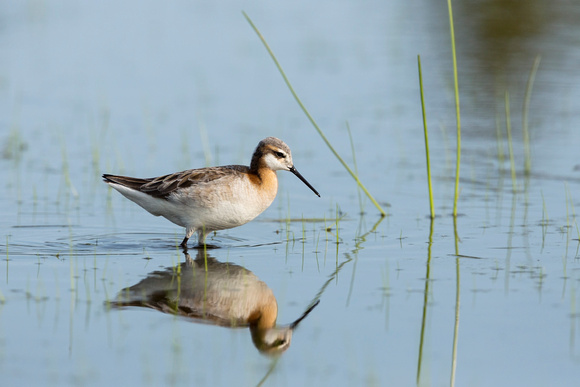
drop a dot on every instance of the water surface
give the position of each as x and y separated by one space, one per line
145 89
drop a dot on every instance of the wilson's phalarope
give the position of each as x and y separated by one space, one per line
215 198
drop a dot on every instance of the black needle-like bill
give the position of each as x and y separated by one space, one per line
294 171
295 323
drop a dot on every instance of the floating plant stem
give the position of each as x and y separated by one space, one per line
508 125
431 206
457 110
526 109
350 171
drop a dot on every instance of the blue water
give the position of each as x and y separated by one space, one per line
144 89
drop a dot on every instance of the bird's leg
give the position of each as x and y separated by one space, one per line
201 234
184 244
188 233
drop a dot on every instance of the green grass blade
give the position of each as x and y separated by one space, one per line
510 143
526 133
350 171
431 206
457 110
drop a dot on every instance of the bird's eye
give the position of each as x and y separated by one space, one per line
280 155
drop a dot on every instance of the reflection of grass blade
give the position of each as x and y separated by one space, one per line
354 176
456 325
527 97
508 125
457 113
426 139
457 307
425 303
358 246
334 276
273 365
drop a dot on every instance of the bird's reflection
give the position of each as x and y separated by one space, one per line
209 291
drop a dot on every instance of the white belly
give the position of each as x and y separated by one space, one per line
208 207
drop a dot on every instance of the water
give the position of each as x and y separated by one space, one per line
144 89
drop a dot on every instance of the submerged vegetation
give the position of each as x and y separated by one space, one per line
14 145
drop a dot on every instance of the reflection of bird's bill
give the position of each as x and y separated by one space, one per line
298 175
274 341
295 323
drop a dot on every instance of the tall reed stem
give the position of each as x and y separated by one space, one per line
457 110
431 206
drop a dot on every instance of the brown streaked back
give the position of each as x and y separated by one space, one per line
163 186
